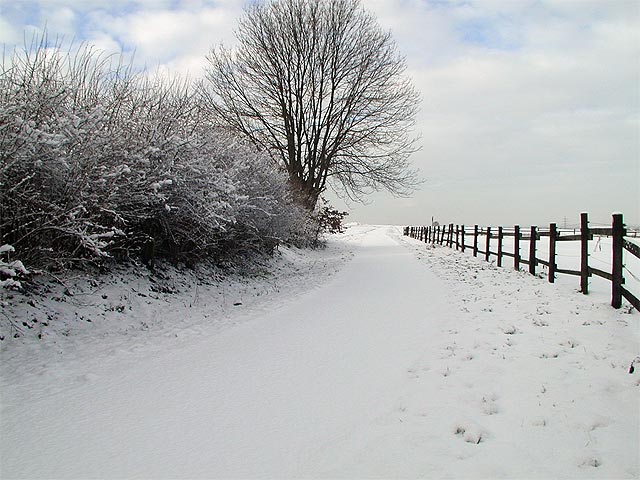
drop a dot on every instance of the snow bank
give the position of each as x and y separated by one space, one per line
379 357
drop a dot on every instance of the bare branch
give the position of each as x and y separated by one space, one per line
322 88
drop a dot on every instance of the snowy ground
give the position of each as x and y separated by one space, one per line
377 357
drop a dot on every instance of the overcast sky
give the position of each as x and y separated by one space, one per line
530 110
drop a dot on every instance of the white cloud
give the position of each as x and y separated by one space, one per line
172 38
9 34
531 129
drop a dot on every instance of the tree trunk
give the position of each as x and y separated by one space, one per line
304 194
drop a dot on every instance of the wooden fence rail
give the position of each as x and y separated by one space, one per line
455 236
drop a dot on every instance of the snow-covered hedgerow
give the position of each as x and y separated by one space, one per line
97 161
10 270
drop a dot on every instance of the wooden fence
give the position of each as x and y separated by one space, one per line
455 236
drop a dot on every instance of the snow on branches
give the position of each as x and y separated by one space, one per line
10 271
97 161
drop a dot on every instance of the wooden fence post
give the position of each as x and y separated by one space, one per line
553 233
499 246
488 244
444 229
475 240
616 285
462 233
532 250
516 247
584 252
457 237
450 235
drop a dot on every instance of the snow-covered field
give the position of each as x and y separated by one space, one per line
377 357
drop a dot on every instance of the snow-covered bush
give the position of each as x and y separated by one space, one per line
97 162
10 270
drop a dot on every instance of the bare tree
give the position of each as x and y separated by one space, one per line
322 87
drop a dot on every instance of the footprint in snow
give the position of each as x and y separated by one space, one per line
489 406
591 461
539 422
550 355
470 432
446 372
510 330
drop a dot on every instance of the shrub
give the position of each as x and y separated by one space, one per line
99 162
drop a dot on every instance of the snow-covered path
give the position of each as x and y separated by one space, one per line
378 372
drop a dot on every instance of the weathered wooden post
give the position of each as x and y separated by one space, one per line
457 237
516 247
553 234
532 250
488 244
499 246
451 235
475 240
618 232
584 252
444 230
462 233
